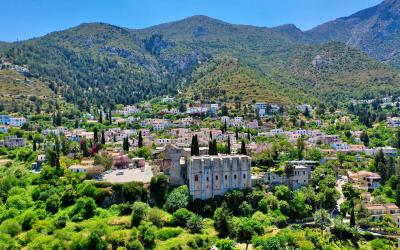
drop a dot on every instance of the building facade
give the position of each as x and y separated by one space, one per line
212 176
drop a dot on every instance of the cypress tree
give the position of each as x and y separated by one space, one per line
34 145
194 147
101 117
95 135
225 127
109 116
214 147
125 145
103 138
352 214
243 150
248 134
228 150
210 148
140 140
237 134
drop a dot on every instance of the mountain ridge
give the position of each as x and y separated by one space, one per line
103 64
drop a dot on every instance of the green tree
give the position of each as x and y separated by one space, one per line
223 221
300 148
147 234
364 138
159 189
84 208
322 219
178 198
139 210
195 223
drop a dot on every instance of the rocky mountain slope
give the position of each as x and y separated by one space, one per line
375 30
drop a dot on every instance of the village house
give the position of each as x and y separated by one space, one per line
3 129
378 211
299 177
393 122
91 170
5 119
388 151
13 142
364 180
17 121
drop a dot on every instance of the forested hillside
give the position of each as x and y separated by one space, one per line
105 65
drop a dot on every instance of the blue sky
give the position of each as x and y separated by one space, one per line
23 19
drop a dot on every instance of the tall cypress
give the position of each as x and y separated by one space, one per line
103 138
228 149
243 150
34 145
140 140
126 144
101 117
95 135
194 147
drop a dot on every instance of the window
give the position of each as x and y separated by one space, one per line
196 178
207 178
304 172
216 177
226 177
244 176
234 176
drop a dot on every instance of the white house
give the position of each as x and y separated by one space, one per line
17 121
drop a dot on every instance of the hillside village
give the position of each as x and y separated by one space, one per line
213 151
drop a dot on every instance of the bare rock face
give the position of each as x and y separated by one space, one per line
319 62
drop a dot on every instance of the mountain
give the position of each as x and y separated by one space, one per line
102 64
375 30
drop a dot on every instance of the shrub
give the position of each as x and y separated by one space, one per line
84 208
168 232
181 217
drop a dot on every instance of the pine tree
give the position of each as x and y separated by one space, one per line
140 140
228 149
243 149
103 138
